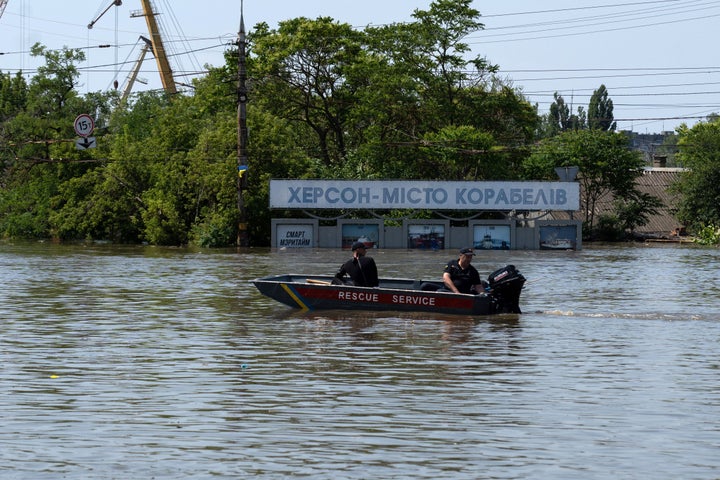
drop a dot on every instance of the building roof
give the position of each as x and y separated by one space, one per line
657 182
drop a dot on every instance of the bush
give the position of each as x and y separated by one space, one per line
217 230
708 235
609 228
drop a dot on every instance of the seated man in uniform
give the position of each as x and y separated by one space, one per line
460 276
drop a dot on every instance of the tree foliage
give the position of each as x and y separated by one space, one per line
561 119
598 116
325 100
606 167
700 184
304 72
368 102
600 111
37 119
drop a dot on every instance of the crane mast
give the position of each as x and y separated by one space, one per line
132 77
166 75
3 4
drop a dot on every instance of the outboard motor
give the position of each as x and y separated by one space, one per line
505 286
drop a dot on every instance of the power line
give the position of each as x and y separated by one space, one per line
565 24
607 30
591 7
610 18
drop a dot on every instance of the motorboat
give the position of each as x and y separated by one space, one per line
316 292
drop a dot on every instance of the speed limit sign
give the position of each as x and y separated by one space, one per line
84 125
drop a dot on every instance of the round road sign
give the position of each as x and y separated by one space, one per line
84 125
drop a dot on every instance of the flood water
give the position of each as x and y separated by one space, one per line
144 362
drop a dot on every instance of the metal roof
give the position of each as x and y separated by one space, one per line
656 181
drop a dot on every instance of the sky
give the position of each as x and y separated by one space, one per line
658 59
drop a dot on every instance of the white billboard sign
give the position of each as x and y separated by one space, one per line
424 194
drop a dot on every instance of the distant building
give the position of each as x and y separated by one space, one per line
656 181
655 144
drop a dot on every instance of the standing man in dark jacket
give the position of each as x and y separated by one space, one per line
361 269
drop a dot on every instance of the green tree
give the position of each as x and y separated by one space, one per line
606 164
106 202
599 115
13 95
39 126
560 119
166 210
13 100
302 74
457 153
420 82
365 102
600 111
326 100
439 33
699 185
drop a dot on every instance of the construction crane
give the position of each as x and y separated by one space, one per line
3 4
155 43
132 77
115 3
166 75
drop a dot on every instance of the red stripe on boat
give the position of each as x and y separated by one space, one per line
396 298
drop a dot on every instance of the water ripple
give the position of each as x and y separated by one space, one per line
129 362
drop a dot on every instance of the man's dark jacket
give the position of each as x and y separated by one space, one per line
362 272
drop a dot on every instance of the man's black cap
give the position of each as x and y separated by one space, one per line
357 245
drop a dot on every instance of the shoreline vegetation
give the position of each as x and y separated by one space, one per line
324 101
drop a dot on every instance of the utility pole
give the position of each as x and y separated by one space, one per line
242 166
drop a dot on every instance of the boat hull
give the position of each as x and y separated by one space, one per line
318 293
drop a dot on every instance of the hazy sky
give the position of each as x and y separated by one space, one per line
657 58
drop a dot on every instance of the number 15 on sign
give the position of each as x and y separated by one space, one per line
84 125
